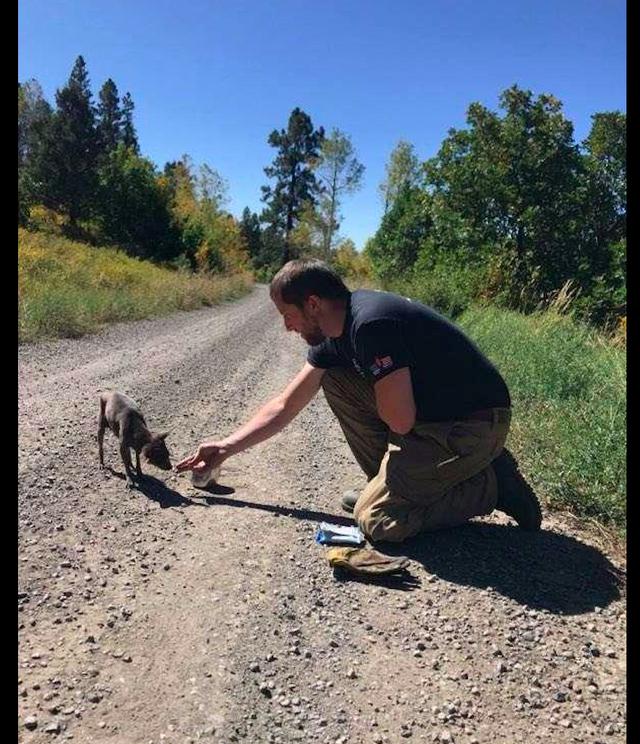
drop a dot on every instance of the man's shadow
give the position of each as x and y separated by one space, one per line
283 511
543 570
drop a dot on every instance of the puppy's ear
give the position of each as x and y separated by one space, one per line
164 435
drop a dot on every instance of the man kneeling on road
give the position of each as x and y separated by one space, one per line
425 413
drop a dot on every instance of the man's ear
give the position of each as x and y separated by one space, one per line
313 303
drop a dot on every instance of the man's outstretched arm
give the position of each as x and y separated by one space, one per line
269 420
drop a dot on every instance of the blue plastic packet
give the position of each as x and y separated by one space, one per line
338 534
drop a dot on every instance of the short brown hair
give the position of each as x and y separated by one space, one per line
299 279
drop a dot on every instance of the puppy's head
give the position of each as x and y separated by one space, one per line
156 452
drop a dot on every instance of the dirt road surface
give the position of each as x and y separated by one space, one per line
168 614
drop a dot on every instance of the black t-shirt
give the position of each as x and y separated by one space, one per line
384 332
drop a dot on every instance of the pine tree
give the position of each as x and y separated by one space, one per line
109 128
296 184
65 159
129 136
250 229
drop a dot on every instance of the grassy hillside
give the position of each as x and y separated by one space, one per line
69 289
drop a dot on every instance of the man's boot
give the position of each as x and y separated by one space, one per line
349 499
515 496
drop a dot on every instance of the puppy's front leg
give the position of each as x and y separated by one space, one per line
138 468
100 447
126 460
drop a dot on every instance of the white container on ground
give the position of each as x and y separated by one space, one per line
205 478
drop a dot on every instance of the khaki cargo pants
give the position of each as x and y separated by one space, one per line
438 475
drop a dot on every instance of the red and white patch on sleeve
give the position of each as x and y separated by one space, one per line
380 364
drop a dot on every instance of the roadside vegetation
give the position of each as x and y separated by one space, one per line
66 288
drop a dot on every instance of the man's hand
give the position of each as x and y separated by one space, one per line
208 455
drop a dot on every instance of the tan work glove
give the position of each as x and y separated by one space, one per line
365 561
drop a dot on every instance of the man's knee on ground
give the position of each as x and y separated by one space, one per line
381 527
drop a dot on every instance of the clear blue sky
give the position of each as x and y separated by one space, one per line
212 78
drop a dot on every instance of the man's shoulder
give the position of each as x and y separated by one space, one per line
371 305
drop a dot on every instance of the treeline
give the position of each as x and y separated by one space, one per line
511 210
81 174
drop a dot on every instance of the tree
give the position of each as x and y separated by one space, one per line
34 116
223 248
510 185
308 236
211 187
129 136
64 163
339 173
349 263
606 148
135 206
402 234
273 250
252 234
109 126
209 238
603 238
403 171
32 109
605 160
181 186
298 150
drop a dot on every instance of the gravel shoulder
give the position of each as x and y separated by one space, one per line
168 614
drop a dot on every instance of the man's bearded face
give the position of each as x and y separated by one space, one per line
299 320
312 333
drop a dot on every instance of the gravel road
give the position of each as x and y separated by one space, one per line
167 614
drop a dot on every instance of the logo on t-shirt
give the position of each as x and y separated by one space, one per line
380 364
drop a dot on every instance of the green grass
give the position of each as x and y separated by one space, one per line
67 289
568 388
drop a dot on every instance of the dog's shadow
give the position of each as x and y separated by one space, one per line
158 491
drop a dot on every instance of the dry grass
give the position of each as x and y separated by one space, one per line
68 289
